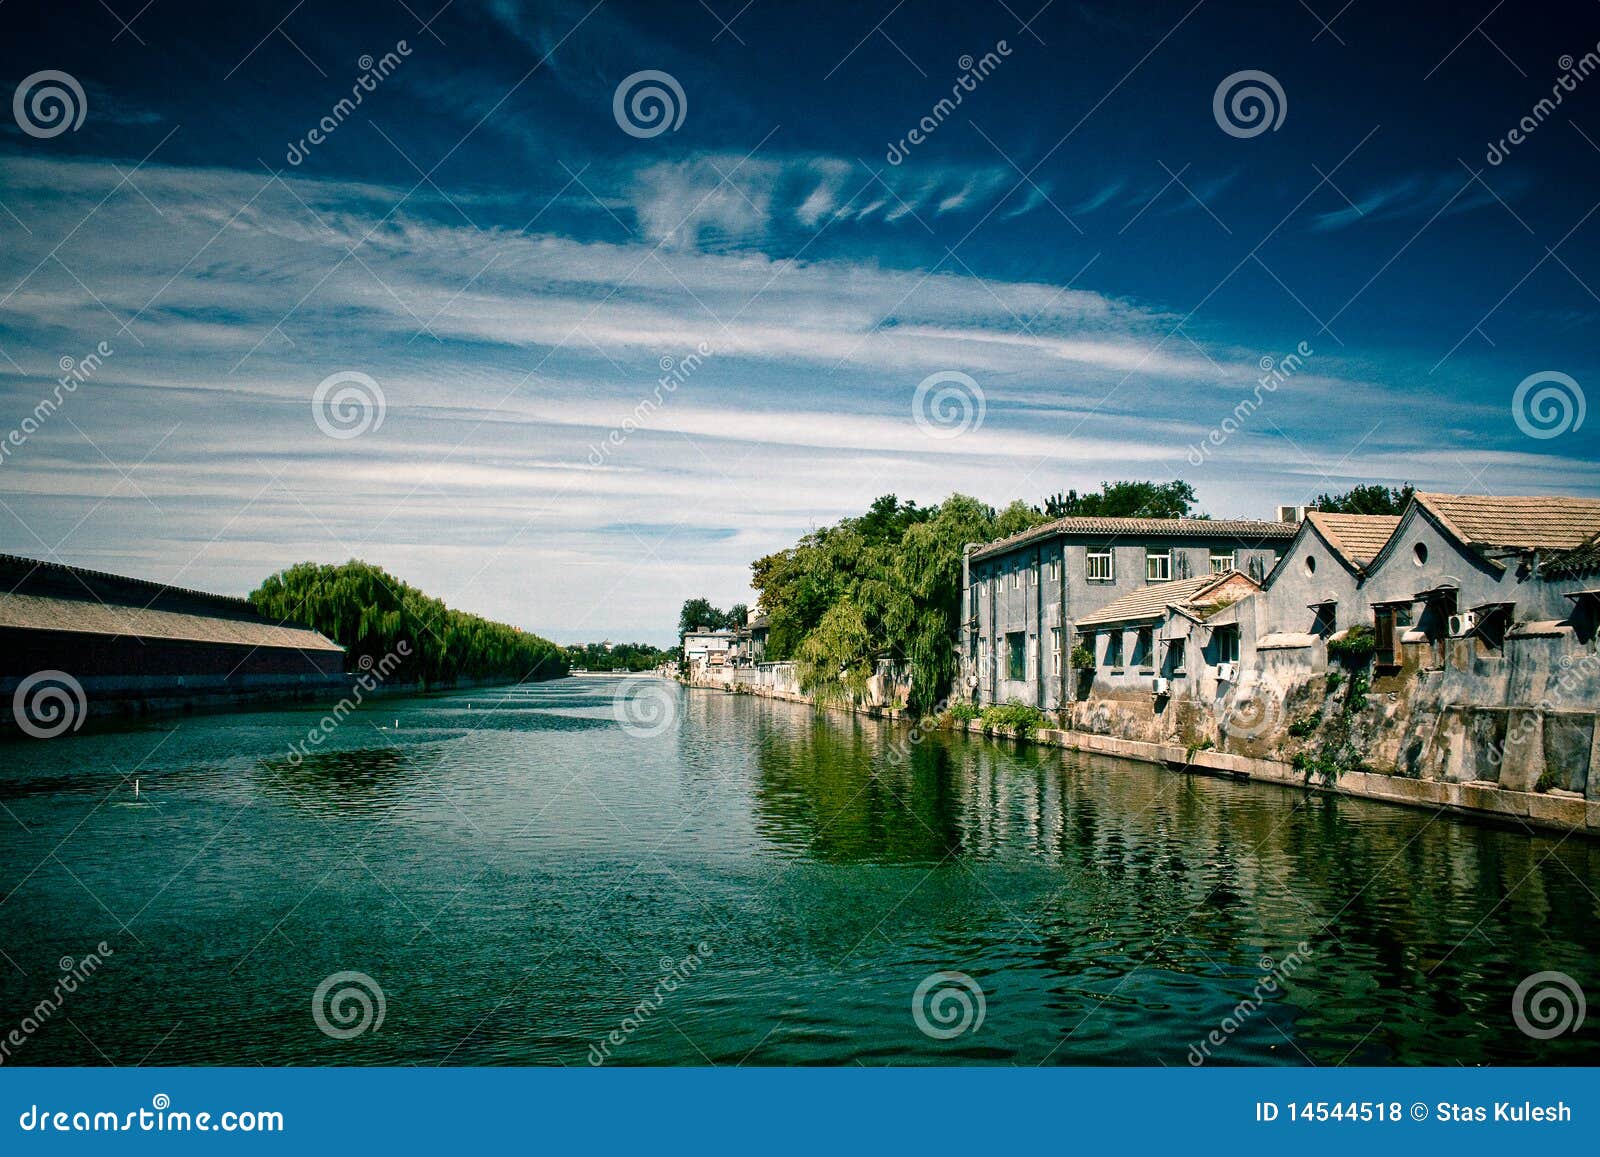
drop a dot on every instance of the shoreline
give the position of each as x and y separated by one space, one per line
1475 799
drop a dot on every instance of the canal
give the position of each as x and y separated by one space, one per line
524 880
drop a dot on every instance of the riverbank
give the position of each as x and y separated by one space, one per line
1565 812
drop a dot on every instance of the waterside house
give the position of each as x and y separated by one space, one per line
1023 596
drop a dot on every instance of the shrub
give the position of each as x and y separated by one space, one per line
1082 658
1355 646
1023 718
961 712
1301 728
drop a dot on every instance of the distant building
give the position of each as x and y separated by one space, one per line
132 644
1024 595
703 642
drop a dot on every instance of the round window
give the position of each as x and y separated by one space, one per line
1311 564
1419 553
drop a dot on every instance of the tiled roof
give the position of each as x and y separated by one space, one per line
1152 601
1137 528
1549 522
86 616
1358 537
1580 560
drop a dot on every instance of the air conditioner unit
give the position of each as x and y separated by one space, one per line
1463 624
1160 686
1227 672
1291 514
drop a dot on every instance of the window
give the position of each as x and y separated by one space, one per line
1033 575
1055 650
1143 645
1222 561
1419 554
1016 576
1386 627
1016 655
1157 565
1227 641
1327 620
1114 649
1102 565
1052 573
1311 564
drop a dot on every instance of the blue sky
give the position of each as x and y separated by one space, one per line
1081 240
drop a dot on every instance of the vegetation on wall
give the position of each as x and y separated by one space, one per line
369 612
1355 647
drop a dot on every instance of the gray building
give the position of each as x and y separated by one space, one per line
1023 595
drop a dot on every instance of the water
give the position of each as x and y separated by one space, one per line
757 884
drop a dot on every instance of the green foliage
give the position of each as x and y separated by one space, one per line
1335 680
370 612
700 612
885 585
621 657
1374 499
1355 646
1082 658
1303 727
962 712
1126 500
1547 780
1022 718
1195 748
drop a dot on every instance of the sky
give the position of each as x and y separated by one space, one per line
564 344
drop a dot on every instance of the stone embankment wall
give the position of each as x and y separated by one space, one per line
1423 746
